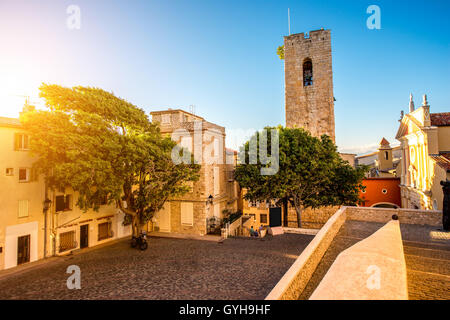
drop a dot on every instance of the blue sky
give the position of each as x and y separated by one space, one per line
221 57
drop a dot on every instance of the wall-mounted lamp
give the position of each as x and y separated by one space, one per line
209 200
47 203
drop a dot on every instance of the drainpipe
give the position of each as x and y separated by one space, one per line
47 203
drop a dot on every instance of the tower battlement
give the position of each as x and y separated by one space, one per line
321 34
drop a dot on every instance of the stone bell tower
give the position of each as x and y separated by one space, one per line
309 82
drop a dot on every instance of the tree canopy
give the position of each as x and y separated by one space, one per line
102 147
311 173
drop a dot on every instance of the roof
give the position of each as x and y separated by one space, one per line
384 142
440 119
367 155
174 111
9 122
442 160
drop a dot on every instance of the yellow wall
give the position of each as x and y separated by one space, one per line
11 226
72 220
444 138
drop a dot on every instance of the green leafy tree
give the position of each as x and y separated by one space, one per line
105 147
280 52
311 173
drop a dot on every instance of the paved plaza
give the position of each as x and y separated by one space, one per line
169 269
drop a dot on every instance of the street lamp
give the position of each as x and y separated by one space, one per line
47 203
209 200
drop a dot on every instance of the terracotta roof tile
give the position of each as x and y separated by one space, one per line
384 142
440 119
442 160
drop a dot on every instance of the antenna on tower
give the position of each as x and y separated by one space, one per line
192 109
289 21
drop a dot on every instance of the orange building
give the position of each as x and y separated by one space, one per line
381 192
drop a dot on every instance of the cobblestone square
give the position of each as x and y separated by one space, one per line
169 269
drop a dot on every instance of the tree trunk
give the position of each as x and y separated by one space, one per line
285 212
298 210
136 226
299 216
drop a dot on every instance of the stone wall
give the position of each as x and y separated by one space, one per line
384 215
311 218
296 278
310 107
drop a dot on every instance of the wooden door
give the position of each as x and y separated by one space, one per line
23 249
84 236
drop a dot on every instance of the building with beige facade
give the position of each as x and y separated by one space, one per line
425 145
201 210
28 232
22 223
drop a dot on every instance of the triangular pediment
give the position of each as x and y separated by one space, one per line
407 126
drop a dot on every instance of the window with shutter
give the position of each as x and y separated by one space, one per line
68 202
104 231
21 141
187 213
23 208
263 218
60 203
24 174
67 241
216 181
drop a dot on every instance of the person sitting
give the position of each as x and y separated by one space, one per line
253 232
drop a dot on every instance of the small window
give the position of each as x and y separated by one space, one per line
9 171
187 213
363 190
216 181
24 174
307 73
21 141
216 147
386 155
63 203
263 218
253 216
104 230
23 208
384 191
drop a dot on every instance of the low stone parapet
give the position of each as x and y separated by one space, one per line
372 269
296 278
409 216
